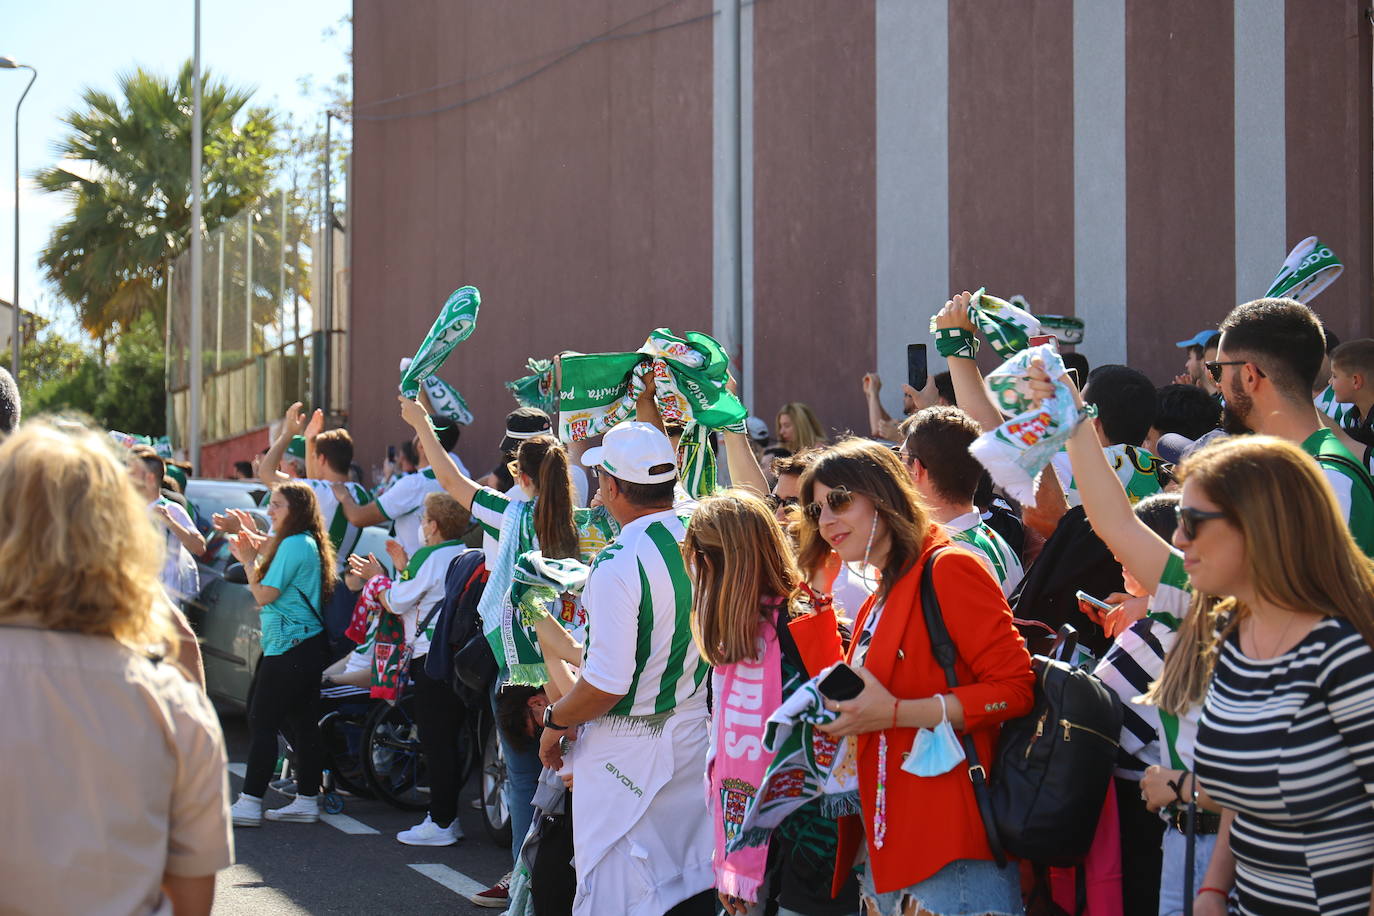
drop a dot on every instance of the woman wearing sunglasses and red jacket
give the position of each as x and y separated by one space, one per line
926 848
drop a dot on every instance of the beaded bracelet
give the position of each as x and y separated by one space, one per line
956 343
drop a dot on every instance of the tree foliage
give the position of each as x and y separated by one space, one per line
131 211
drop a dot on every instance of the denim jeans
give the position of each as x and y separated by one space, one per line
522 775
1171 875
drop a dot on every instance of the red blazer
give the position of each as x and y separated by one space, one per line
934 820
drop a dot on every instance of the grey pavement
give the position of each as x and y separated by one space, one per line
320 868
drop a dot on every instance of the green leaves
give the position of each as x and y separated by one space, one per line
127 173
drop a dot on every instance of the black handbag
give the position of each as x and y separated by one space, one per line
1054 764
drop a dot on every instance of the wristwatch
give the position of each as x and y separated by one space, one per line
548 720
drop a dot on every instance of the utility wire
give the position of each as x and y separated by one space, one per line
519 63
562 56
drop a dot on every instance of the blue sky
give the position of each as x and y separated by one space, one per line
269 44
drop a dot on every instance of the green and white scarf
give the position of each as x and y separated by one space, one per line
443 397
599 390
536 389
455 323
807 764
696 461
522 586
1007 327
1309 268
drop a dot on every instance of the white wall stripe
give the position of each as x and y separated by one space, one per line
1261 158
726 218
1099 176
455 881
746 144
912 62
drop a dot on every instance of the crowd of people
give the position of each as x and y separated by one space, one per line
729 697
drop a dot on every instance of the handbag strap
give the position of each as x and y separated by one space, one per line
942 646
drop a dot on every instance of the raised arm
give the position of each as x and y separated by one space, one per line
291 425
878 418
745 471
1142 552
460 486
969 389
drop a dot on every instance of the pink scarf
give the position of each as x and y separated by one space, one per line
746 694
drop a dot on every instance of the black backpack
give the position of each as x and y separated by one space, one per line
1053 765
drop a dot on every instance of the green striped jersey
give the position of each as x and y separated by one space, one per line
1140 472
595 527
639 608
1349 481
1326 402
342 535
970 531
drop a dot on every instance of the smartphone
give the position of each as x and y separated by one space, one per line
916 371
841 683
1039 339
1090 601
391 453
1072 373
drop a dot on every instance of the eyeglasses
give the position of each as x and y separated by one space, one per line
1189 519
776 502
1214 367
837 499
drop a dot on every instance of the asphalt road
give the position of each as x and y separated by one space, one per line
353 864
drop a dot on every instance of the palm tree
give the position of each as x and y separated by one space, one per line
131 210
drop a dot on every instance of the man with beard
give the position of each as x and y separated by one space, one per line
1269 355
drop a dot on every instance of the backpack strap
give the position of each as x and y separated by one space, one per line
1351 465
942 646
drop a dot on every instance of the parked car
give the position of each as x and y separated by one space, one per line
223 613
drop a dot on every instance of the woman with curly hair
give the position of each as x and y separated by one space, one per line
290 575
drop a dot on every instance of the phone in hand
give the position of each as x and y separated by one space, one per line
1039 339
917 372
1072 373
1093 607
842 683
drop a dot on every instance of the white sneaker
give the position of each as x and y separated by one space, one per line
304 809
428 833
247 811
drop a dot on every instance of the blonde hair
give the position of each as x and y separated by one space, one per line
806 429
738 557
1299 555
77 548
302 517
864 467
448 514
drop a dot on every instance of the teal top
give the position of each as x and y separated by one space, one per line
296 615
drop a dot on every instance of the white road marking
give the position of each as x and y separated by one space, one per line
347 824
238 769
455 881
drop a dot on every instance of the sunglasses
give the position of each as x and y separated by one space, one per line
776 502
1189 519
837 499
1214 367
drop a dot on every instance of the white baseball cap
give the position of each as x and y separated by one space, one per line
631 450
757 430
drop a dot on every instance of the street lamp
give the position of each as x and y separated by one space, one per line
9 63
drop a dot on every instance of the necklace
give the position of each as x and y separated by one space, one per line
1283 634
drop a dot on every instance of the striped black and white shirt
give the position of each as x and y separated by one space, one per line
1288 743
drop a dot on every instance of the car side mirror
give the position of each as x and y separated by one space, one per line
236 574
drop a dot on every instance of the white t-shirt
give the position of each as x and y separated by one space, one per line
342 533
403 502
420 587
850 591
639 608
180 575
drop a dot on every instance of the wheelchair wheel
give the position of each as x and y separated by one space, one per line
392 758
343 732
333 803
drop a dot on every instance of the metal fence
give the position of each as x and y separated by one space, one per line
263 336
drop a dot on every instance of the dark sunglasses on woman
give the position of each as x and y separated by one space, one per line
1189 519
837 499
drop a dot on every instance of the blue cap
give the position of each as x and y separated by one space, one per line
1200 339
